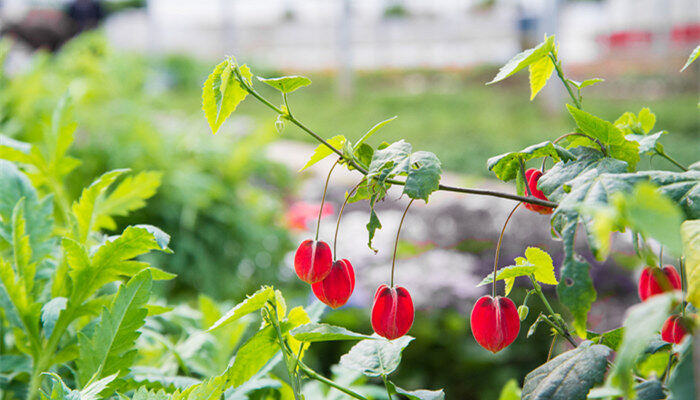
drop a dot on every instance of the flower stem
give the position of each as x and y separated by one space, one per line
558 324
560 74
315 375
396 242
323 199
498 249
340 215
674 162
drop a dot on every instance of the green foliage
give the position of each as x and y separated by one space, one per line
324 332
525 59
322 151
568 376
222 92
251 304
536 263
507 166
693 56
540 71
287 84
690 233
375 357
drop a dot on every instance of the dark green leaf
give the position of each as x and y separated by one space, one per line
568 376
650 390
610 338
50 312
422 169
507 165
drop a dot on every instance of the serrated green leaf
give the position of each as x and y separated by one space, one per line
109 350
21 248
648 144
524 59
606 133
422 169
610 338
144 394
568 376
210 389
315 332
641 322
287 84
50 312
586 83
693 56
61 391
322 151
375 357
420 394
690 234
537 263
507 165
130 195
251 304
540 71
222 92
85 209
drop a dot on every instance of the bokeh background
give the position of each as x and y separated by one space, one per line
235 203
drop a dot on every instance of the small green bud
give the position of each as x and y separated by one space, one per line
279 124
522 312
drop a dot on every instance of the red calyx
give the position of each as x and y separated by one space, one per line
336 288
495 323
392 312
533 175
655 280
312 261
674 329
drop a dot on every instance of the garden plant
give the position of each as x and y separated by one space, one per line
78 320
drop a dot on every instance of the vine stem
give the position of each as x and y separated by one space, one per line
315 375
598 142
559 326
560 74
674 162
363 170
340 215
396 242
498 249
323 199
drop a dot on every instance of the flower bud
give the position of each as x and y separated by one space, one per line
655 280
674 330
392 312
523 311
336 288
532 176
312 261
495 322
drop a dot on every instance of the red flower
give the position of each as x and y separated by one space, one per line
533 175
655 280
392 312
495 322
674 329
336 288
312 261
300 213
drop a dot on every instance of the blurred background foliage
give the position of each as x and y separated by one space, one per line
223 200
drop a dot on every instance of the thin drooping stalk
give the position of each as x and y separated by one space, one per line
498 249
323 199
562 78
340 215
551 348
363 170
396 242
522 171
674 162
559 325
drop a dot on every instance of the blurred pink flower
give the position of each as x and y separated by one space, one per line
301 215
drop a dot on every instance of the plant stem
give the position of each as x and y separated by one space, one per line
315 375
559 326
674 162
560 73
551 348
396 242
498 249
340 215
274 320
362 170
522 171
598 142
323 199
681 265
386 385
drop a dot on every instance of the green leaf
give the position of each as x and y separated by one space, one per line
568 376
640 124
610 338
144 394
110 348
693 56
608 134
315 332
375 357
61 391
648 144
222 92
641 322
322 151
372 131
287 84
420 394
422 169
50 312
210 389
507 165
251 304
540 71
85 209
130 195
524 59
511 391
652 389
536 263
586 83
21 248
690 234
682 382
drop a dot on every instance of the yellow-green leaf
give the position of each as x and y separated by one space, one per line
540 71
287 84
223 92
690 233
322 151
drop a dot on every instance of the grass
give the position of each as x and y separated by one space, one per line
464 122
